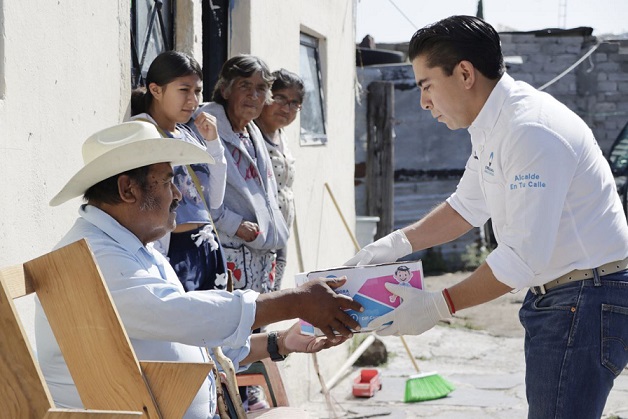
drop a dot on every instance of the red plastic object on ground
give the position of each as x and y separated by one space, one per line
367 383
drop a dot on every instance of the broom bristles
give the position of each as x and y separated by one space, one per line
427 386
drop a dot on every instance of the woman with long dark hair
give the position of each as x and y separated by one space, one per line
171 96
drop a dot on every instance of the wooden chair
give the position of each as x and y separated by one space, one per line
265 373
93 341
23 390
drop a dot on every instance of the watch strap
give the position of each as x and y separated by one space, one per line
273 348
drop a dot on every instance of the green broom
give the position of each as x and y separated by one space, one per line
424 386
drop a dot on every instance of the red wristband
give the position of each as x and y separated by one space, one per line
449 301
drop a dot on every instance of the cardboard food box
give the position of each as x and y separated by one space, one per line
365 284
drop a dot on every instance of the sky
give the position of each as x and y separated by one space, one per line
382 20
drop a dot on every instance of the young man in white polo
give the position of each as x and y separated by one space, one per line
538 173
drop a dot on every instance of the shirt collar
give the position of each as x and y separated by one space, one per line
111 227
487 118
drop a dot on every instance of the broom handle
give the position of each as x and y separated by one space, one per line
405 345
349 362
342 217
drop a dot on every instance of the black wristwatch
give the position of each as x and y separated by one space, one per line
273 348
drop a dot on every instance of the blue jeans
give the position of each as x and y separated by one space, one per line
576 343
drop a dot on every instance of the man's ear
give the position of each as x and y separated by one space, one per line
127 189
467 73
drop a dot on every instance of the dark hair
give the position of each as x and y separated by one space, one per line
106 191
244 66
166 67
285 79
402 268
449 41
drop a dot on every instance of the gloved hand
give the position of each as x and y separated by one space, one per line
418 313
387 249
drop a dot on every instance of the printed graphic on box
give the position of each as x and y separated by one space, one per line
365 284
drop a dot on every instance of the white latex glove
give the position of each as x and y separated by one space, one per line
419 311
387 249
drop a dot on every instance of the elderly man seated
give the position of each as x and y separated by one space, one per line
131 201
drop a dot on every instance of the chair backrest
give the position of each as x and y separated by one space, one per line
23 391
93 341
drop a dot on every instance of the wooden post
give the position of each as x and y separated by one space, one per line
380 155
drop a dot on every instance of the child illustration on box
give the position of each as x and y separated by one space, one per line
403 276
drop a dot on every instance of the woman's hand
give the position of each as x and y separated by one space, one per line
206 126
292 340
248 231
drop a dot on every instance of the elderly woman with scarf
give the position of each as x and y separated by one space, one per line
249 222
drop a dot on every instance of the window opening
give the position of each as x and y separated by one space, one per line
313 130
152 32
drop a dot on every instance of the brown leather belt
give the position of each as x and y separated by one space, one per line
580 275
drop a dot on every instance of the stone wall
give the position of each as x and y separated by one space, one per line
597 89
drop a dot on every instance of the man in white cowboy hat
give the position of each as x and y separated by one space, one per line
126 181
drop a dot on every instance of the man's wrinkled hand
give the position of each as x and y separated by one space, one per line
324 309
387 249
418 312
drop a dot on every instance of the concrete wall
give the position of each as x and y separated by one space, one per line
273 34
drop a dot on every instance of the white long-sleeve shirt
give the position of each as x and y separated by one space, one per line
163 322
538 173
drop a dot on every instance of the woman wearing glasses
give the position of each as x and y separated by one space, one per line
288 92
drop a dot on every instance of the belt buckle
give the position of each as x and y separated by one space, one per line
539 290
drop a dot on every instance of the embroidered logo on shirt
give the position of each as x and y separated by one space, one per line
527 180
488 169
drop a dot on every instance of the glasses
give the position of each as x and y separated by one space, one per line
281 100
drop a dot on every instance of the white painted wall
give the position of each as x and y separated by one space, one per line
65 74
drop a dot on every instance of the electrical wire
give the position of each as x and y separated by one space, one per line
574 65
403 14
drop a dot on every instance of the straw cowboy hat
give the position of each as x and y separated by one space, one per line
124 147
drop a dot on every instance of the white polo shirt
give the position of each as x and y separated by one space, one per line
538 173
